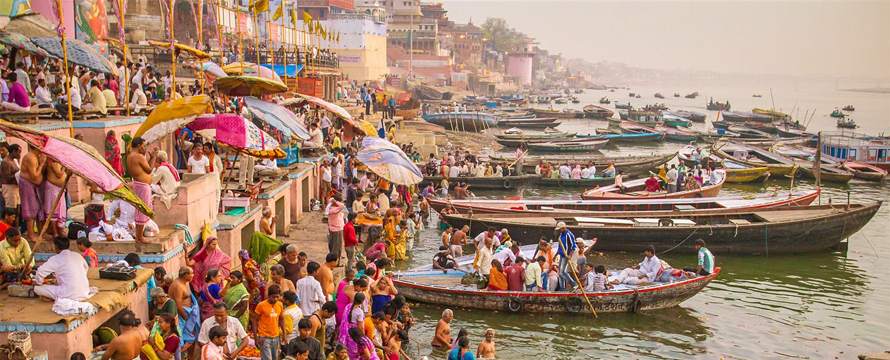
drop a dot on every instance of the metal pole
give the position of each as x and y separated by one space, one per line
61 16
172 56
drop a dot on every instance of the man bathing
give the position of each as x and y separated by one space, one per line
140 170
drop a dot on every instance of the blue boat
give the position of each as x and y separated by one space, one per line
463 121
625 137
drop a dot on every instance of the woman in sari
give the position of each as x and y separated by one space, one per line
164 343
211 293
353 317
497 279
256 284
113 152
236 297
209 257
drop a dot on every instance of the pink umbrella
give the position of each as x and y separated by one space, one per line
239 133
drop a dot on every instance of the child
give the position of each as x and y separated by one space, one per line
596 279
214 349
86 248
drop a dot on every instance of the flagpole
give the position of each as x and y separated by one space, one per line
172 56
283 44
219 34
65 65
256 33
122 14
201 41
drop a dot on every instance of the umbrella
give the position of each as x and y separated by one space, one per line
248 86
364 126
31 25
171 115
200 54
79 53
334 108
246 68
387 160
81 159
278 117
212 68
20 41
235 131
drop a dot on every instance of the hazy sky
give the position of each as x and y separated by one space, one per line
837 38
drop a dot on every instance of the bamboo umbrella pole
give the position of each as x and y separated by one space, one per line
126 73
55 205
219 34
200 25
283 44
172 55
256 42
65 66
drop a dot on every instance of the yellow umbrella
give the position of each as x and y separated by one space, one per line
250 69
200 54
171 115
367 127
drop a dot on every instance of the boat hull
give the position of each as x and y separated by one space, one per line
749 175
646 298
865 171
817 233
492 182
787 170
585 183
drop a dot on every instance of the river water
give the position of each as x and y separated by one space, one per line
827 305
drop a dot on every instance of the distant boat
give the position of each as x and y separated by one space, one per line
604 100
775 115
846 123
565 114
623 106
757 95
574 145
597 112
690 115
659 96
642 116
631 95
743 116
675 121
849 108
837 114
676 95
718 105
677 135
692 95
463 121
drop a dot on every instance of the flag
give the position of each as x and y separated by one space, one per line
307 18
260 6
293 17
279 12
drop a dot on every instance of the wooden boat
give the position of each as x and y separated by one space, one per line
424 92
630 165
829 171
675 121
605 100
743 116
444 288
597 112
579 183
718 106
846 145
677 135
616 137
614 207
659 96
789 132
837 114
558 114
689 115
514 140
640 116
623 106
693 95
773 114
738 173
790 229
486 182
463 121
637 189
676 95
846 123
849 108
864 171
749 155
575 145
748 133
628 127
529 123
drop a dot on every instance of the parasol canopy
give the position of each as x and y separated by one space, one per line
248 86
171 115
200 54
250 69
362 125
81 159
388 161
329 106
278 117
212 68
238 133
79 53
20 41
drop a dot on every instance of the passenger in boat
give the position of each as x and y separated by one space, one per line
443 259
532 275
507 253
486 349
488 234
482 263
652 184
515 275
691 183
442 337
672 179
648 270
551 278
497 279
705 264
610 170
596 278
619 182
564 171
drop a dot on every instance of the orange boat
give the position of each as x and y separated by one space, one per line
636 189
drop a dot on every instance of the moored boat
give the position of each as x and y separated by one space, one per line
486 182
529 123
580 183
743 116
790 229
749 155
865 171
574 145
718 106
690 115
597 112
637 189
675 121
738 173
748 133
677 135
463 121
629 127
558 114
445 288
629 165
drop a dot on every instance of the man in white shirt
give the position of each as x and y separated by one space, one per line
309 290
138 101
507 253
235 332
672 179
487 235
592 172
649 270
483 258
42 96
565 172
70 271
454 171
198 163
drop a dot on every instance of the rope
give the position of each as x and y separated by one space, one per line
681 242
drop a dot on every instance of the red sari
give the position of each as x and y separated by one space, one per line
113 153
206 260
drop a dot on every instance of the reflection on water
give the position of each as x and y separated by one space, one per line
803 306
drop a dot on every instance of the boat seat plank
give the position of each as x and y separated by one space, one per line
583 219
780 216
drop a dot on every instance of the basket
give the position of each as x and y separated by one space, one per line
20 340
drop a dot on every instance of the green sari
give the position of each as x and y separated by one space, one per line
235 295
261 246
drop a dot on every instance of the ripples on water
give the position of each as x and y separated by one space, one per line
815 306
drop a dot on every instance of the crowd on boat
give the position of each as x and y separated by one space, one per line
575 171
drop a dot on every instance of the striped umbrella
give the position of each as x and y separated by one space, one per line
248 86
278 117
388 161
20 41
79 53
238 133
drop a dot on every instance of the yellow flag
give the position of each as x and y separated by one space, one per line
293 17
279 11
260 6
307 18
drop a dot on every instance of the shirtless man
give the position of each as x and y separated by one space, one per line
458 240
139 168
128 344
446 236
53 188
33 164
317 320
486 348
442 339
189 314
325 275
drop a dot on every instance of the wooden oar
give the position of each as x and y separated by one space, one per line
577 280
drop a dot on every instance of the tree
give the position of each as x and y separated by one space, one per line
502 37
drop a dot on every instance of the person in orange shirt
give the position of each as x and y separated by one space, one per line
269 323
497 280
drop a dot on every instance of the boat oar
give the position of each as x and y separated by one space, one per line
571 266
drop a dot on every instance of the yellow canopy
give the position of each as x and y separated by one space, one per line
248 86
200 54
171 115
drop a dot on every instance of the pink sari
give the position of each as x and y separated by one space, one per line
113 154
206 260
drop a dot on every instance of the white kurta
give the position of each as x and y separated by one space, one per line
70 270
310 294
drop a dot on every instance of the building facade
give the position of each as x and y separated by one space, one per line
362 46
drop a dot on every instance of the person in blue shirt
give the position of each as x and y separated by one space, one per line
567 247
462 351
705 258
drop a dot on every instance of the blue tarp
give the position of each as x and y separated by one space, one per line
292 69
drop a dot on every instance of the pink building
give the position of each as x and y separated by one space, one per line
519 67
